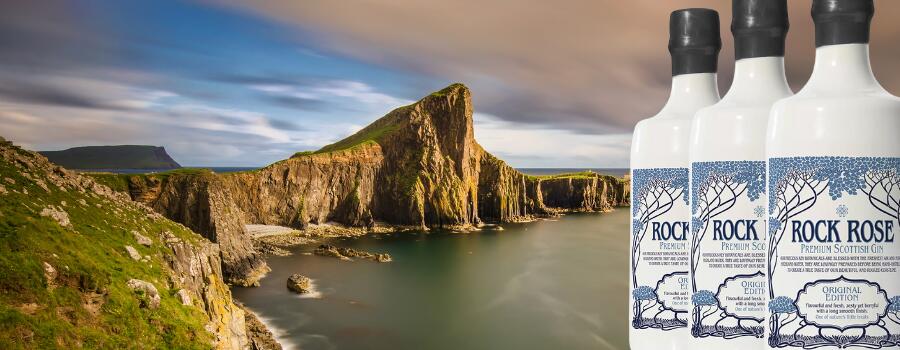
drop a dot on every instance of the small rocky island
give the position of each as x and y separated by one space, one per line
418 166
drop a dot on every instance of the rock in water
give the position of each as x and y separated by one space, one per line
299 284
350 253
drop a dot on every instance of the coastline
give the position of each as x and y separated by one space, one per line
347 284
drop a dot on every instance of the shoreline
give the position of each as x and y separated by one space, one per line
276 240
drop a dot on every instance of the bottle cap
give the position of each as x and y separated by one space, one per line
842 21
760 28
694 41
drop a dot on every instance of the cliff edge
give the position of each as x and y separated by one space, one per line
84 266
419 166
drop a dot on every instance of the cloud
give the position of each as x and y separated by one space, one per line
315 94
592 66
195 133
550 148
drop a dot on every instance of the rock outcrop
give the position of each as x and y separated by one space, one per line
348 254
419 166
203 202
299 284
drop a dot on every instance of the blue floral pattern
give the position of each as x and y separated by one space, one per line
796 185
654 193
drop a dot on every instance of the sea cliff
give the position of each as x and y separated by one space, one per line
417 166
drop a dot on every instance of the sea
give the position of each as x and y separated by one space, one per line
550 284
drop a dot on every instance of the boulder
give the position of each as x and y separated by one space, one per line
141 239
184 296
299 284
50 275
133 253
149 295
57 214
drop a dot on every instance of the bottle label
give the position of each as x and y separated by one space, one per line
728 249
834 258
660 298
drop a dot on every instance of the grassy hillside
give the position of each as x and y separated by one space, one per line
113 157
64 268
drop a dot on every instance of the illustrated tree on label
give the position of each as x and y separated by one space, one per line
796 185
717 188
656 192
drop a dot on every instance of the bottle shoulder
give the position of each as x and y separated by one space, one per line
862 123
661 143
818 99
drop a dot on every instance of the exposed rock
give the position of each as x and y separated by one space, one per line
584 192
184 296
260 336
57 214
329 250
149 296
350 253
202 203
50 275
133 253
197 268
299 284
141 239
417 166
2 189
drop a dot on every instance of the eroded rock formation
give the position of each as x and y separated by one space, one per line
417 166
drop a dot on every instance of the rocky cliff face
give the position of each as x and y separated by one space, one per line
584 192
85 266
419 165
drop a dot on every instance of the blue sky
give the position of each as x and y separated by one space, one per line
235 83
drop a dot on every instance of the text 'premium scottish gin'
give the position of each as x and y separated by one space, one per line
834 197
728 186
660 287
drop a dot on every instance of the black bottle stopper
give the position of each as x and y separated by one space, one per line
694 41
842 21
760 28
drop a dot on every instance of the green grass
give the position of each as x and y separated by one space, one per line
90 259
577 175
370 134
375 132
119 182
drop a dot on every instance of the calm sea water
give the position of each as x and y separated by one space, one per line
543 285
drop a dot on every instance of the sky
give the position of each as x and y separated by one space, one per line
246 83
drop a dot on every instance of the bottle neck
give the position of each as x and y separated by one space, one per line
759 76
843 67
691 92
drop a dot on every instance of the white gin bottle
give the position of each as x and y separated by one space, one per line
834 197
660 288
728 186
